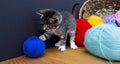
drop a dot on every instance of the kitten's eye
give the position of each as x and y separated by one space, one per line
53 20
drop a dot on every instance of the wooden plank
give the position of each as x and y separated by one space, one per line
53 56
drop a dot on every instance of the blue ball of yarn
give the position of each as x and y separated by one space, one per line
34 47
104 41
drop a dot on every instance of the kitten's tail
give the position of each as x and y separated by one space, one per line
74 6
74 10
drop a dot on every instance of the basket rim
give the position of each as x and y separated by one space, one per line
81 9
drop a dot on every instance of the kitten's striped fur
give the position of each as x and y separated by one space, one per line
60 24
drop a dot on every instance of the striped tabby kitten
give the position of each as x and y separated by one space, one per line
60 24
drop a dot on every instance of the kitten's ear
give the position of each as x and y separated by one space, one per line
40 13
43 11
58 19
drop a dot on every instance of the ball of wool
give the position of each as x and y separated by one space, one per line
104 41
34 47
82 27
117 16
95 20
113 23
109 19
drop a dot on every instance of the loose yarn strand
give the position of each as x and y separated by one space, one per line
110 62
101 47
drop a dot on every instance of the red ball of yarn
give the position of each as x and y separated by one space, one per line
82 27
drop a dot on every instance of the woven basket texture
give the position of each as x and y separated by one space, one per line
99 8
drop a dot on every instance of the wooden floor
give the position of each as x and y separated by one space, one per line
53 56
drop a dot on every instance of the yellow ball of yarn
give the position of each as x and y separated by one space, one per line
95 20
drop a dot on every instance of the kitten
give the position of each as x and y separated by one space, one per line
60 24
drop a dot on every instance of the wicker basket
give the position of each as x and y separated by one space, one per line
99 8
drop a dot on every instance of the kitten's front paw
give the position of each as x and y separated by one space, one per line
72 45
62 48
57 44
42 37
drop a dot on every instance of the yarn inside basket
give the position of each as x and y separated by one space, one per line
117 16
109 19
104 41
94 20
82 27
